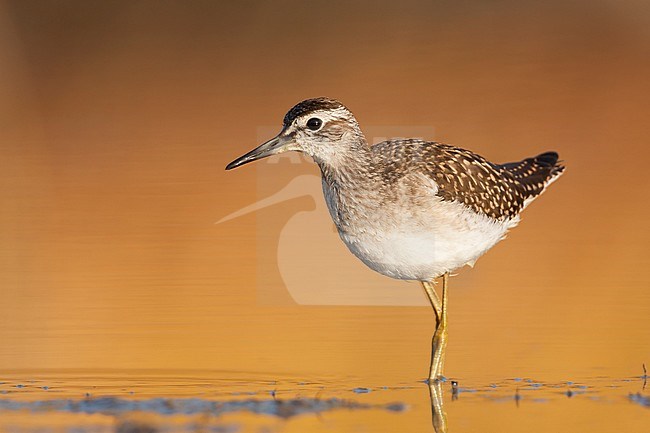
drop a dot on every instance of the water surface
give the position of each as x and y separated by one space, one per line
233 402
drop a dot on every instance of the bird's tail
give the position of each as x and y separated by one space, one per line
534 175
541 169
550 162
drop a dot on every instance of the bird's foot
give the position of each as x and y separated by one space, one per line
435 380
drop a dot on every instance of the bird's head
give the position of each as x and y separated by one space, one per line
322 128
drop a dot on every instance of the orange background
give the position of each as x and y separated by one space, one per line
118 118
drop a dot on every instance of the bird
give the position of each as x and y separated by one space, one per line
410 209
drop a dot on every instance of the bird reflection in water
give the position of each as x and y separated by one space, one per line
438 415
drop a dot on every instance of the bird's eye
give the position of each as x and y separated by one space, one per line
314 123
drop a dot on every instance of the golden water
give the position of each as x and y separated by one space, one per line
117 122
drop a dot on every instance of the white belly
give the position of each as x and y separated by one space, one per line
422 248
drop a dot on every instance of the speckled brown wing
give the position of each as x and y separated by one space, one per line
498 191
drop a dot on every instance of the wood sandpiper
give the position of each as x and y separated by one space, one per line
410 209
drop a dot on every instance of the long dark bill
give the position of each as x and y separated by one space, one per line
271 147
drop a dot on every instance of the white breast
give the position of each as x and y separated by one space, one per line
416 235
444 237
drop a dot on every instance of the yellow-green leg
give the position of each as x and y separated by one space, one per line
433 299
439 341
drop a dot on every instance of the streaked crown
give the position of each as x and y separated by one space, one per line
309 106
